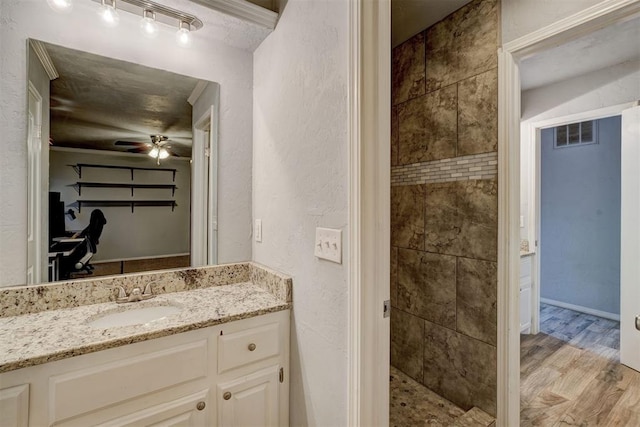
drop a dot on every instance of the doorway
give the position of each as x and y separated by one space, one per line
512 57
575 349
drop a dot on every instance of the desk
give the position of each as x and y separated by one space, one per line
60 249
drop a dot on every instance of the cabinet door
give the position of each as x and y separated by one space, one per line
189 411
250 401
14 406
525 310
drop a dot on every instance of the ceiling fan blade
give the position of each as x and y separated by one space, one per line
131 143
138 150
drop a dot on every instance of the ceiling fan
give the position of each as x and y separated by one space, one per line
157 148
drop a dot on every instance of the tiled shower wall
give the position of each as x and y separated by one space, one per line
444 206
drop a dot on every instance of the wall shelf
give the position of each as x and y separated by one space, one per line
78 186
79 166
131 203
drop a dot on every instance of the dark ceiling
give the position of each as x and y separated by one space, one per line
97 101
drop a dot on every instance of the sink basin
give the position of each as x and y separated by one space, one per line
133 316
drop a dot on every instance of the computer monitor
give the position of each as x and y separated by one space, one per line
56 216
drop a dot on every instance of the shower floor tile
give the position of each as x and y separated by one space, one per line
412 404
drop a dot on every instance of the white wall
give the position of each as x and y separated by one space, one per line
521 17
207 59
300 182
580 220
148 231
603 88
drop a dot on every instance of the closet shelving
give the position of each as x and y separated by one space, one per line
78 185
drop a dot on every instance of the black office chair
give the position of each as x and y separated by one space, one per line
79 261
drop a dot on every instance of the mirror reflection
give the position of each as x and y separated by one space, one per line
111 185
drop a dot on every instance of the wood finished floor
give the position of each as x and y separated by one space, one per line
571 374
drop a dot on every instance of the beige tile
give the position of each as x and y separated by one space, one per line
442 223
462 219
478 209
412 404
407 66
394 277
476 37
460 368
478 114
407 216
441 59
394 136
462 45
407 343
428 127
427 286
476 299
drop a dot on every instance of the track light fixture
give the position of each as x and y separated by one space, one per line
154 16
148 25
183 35
109 13
64 6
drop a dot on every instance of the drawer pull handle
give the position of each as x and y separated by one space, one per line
200 406
226 396
252 347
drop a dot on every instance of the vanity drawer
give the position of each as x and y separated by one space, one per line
250 345
88 390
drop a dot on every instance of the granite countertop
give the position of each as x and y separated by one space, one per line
46 336
47 322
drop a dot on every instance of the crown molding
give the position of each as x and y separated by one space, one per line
197 91
244 10
42 54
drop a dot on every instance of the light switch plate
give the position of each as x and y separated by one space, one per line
258 230
329 244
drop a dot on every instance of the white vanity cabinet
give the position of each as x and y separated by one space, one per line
180 379
249 391
526 283
14 406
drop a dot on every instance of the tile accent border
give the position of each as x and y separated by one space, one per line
464 168
19 300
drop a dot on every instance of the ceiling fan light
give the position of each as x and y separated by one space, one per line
154 152
163 154
148 25
109 13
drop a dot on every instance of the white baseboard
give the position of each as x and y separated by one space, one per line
581 309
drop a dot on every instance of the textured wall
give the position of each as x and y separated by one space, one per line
207 59
580 220
520 17
300 181
444 214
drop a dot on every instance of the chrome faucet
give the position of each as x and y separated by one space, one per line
135 295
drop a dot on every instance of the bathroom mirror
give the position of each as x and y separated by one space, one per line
122 165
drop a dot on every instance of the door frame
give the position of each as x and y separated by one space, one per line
589 20
369 249
530 141
204 189
39 234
